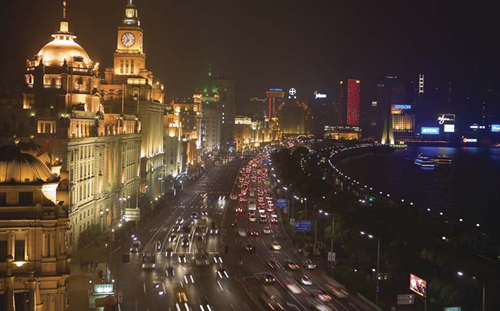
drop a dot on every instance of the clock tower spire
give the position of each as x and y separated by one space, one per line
129 58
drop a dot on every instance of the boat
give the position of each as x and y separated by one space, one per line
423 161
442 160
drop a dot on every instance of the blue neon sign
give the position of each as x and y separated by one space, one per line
429 131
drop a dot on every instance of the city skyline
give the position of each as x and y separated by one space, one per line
322 49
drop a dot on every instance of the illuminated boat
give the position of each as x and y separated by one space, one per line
424 162
442 160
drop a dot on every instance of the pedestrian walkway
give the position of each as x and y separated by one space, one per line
82 275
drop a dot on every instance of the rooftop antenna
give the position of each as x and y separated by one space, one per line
64 10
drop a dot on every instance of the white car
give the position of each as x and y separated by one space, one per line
276 246
252 218
267 230
306 280
309 264
293 287
242 233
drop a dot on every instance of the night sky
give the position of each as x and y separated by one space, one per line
273 43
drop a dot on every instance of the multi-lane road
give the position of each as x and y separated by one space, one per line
182 280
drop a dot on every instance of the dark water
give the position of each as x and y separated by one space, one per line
469 189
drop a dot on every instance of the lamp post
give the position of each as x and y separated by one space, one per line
331 242
377 289
483 296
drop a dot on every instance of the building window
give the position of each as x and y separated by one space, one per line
3 248
26 198
132 66
19 250
3 199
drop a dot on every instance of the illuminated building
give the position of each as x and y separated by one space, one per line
274 97
389 92
348 102
187 116
403 119
94 153
227 92
322 110
242 133
257 107
339 132
129 88
172 140
294 118
212 114
33 226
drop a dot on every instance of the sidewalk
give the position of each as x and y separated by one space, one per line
79 279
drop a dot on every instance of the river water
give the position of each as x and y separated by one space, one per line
468 189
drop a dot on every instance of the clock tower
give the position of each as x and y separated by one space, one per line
129 58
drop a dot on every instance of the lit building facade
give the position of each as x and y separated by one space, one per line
129 88
34 260
348 103
340 132
294 117
94 153
389 92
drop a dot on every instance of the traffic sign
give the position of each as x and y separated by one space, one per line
280 203
377 289
331 256
406 299
302 225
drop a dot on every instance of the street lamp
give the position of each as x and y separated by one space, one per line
333 227
377 289
460 273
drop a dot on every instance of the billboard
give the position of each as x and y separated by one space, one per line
446 118
449 128
418 285
495 128
470 140
318 95
402 107
429 131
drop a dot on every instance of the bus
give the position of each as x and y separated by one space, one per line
148 261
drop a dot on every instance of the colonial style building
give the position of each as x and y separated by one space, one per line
34 261
128 88
95 154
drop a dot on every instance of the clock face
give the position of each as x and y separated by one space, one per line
128 39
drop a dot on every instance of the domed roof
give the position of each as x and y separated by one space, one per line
17 167
63 47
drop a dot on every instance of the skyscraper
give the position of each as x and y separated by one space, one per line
389 92
348 102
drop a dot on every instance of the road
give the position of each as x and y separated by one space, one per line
182 281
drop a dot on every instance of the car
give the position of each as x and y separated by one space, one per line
274 220
172 237
239 209
234 197
170 271
309 264
293 287
214 231
135 247
339 293
169 252
323 295
249 247
262 218
254 232
270 209
272 264
273 215
276 246
222 273
305 280
266 230
317 305
252 218
182 258
176 228
179 221
262 210
194 215
204 213
292 265
268 278
185 242
242 232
